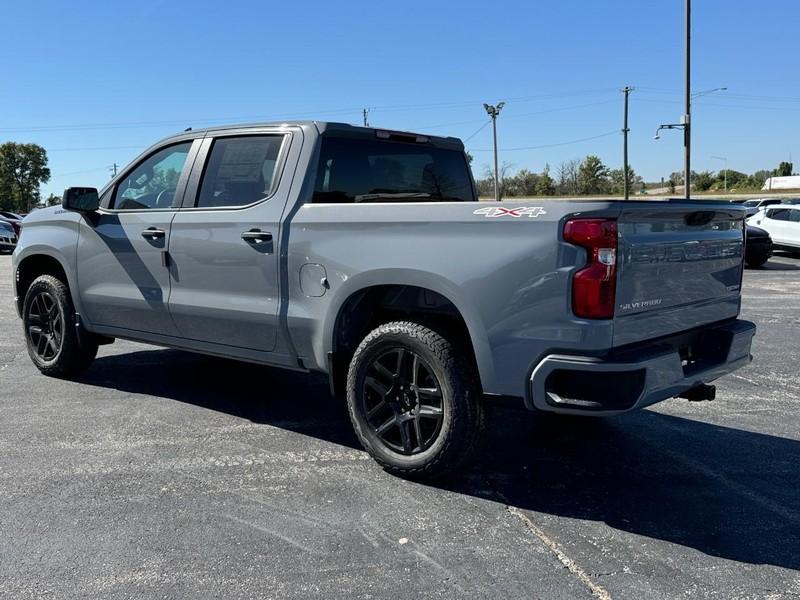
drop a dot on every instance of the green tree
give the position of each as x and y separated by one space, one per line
568 177
523 184
703 181
593 176
52 200
486 185
735 179
545 185
784 169
757 179
618 184
23 168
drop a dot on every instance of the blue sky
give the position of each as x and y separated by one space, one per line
95 83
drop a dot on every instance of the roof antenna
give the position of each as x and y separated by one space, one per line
188 129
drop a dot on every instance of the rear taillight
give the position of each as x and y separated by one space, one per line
594 286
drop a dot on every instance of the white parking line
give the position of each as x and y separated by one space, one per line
552 545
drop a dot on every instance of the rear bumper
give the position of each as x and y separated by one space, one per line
639 375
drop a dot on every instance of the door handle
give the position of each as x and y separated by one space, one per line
151 233
256 236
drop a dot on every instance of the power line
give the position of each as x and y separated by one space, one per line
519 116
720 105
668 91
274 117
562 108
476 132
515 99
103 168
87 148
484 124
586 139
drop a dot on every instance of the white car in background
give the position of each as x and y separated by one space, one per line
782 221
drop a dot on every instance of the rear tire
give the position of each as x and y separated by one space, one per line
49 319
414 400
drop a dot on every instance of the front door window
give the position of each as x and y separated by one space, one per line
152 184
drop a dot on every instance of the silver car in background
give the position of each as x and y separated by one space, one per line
8 237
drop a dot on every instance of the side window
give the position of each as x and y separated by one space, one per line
778 214
794 217
240 170
152 184
364 170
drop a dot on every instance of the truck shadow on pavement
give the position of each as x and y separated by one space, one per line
773 265
722 491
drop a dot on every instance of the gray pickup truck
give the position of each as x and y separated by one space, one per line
364 254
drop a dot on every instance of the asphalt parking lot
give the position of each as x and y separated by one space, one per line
162 474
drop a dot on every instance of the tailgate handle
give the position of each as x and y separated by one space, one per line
699 218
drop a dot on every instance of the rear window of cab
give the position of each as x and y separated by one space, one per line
355 170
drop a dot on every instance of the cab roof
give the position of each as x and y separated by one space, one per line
332 128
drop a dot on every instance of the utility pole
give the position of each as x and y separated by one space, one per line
686 120
687 117
113 170
493 112
366 117
626 192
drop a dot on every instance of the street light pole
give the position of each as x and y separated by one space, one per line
626 192
725 173
493 111
685 124
687 117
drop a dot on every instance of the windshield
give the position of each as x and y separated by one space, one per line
363 170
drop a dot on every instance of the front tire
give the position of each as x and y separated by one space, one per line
414 400
756 260
48 317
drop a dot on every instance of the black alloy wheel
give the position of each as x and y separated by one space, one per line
50 326
414 399
44 323
402 401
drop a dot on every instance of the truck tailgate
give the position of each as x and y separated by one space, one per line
679 267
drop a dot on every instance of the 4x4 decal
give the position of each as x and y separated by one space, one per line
498 211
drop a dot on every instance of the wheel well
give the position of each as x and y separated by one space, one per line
33 266
366 309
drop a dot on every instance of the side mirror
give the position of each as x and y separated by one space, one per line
80 199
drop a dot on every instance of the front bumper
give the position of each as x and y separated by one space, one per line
639 375
757 247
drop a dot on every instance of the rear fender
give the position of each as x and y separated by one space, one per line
477 332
